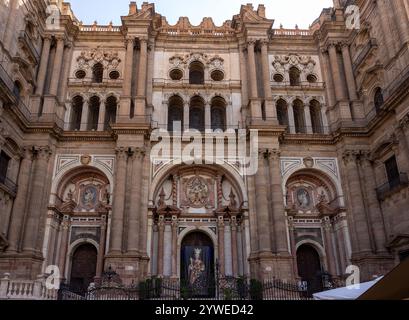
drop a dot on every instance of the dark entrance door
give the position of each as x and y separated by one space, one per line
197 265
309 268
83 270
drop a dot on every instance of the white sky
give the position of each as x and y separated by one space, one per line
286 12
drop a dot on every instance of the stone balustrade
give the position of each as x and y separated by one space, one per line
25 289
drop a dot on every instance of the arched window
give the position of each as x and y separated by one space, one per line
93 116
378 99
111 109
17 90
196 73
175 113
197 114
97 73
316 119
299 116
282 112
218 114
76 113
295 76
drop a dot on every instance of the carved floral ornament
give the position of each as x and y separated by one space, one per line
284 63
106 57
183 61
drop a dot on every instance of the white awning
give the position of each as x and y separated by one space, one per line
346 293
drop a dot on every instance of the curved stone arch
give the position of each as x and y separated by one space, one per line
317 246
166 170
100 95
326 174
191 229
116 95
169 96
319 99
72 170
225 97
196 57
77 94
71 249
197 94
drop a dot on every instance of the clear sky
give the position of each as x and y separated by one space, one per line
286 12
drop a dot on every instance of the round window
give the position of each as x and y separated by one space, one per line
217 75
278 77
114 75
80 74
176 74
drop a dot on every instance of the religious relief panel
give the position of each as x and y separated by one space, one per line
197 192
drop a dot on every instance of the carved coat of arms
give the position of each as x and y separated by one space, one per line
197 192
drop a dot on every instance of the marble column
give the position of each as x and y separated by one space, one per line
11 17
385 26
65 73
175 224
349 73
336 72
135 205
101 116
117 223
161 238
208 116
65 233
128 67
101 250
252 69
329 81
271 112
234 256
19 208
263 221
328 246
220 240
307 116
375 213
142 76
357 206
279 219
402 23
56 72
291 121
291 230
186 116
35 209
42 71
243 75
84 116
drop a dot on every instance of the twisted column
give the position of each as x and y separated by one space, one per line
161 239
175 224
220 239
234 255
65 232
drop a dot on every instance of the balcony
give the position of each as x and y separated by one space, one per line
393 186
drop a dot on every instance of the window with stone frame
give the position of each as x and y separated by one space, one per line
295 76
4 165
97 73
378 99
175 113
392 171
282 112
299 116
196 73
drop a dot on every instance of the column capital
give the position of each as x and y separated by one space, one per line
143 40
129 40
273 154
365 157
332 44
59 38
138 153
27 152
262 154
121 153
264 42
350 156
251 43
43 152
344 44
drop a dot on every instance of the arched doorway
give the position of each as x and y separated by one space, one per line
309 267
83 270
197 265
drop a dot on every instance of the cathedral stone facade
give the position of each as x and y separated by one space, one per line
80 111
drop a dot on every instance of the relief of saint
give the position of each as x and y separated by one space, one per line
89 197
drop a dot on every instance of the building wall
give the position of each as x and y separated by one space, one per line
78 176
